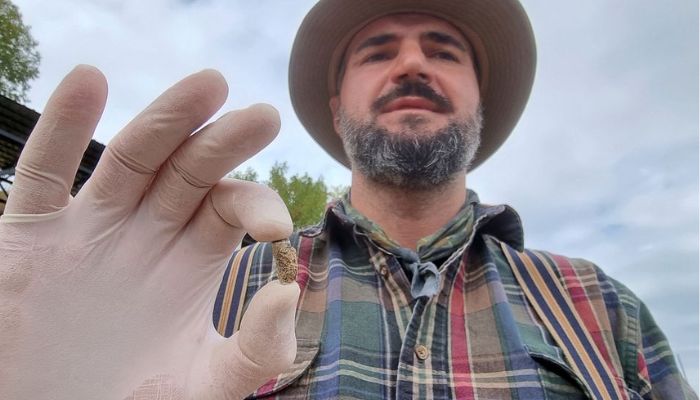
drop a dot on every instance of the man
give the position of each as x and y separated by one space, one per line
408 288
108 295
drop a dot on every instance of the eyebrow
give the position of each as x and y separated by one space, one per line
376 41
433 36
444 38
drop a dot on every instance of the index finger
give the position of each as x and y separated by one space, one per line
46 168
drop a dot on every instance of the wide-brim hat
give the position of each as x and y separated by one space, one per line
499 31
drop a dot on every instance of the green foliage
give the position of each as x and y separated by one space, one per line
248 175
337 192
305 197
19 59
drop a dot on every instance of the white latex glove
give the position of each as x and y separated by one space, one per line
109 295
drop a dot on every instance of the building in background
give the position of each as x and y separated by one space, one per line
16 123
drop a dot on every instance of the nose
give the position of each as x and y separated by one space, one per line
411 64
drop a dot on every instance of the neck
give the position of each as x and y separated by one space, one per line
406 215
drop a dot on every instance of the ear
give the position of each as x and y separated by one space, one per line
334 104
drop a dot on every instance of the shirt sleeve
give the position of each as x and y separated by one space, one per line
248 269
646 359
659 376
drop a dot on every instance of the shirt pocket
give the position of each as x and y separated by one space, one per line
307 350
558 379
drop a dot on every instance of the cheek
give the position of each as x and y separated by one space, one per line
359 90
352 100
466 100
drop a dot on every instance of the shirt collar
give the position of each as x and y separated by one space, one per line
499 221
430 248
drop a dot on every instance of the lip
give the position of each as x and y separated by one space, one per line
410 103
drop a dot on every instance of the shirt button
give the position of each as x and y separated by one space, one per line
384 271
422 352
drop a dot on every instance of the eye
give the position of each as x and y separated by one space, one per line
445 55
375 57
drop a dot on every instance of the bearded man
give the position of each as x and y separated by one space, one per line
411 288
408 288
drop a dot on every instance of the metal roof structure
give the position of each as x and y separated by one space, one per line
16 123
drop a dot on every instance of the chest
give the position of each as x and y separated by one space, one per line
477 338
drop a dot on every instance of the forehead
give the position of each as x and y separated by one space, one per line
403 24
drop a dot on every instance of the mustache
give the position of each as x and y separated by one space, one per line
413 88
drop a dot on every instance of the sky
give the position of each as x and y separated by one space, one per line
603 164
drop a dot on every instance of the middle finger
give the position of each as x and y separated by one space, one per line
133 157
205 158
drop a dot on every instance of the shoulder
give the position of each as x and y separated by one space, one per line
582 275
604 304
607 309
575 274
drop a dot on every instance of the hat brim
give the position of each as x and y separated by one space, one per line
499 31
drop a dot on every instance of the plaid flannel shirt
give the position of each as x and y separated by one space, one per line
362 335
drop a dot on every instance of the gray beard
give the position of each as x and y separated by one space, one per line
411 159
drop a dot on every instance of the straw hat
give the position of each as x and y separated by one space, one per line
498 30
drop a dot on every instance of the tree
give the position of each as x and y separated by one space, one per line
19 59
248 175
305 197
337 192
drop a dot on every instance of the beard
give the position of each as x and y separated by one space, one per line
412 159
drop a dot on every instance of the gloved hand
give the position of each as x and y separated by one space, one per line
109 295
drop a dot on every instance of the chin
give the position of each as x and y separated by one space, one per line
416 122
418 125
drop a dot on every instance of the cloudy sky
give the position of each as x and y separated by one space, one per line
603 164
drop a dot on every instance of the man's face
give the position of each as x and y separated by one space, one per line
408 108
414 48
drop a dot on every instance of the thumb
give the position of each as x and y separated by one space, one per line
267 335
264 346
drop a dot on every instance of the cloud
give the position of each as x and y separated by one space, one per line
604 163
